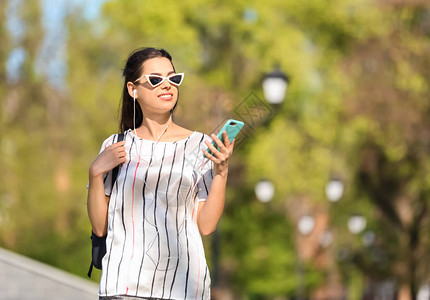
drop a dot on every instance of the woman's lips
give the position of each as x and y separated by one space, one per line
166 97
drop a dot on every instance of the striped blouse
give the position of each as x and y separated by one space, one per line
154 248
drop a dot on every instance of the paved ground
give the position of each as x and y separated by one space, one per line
23 278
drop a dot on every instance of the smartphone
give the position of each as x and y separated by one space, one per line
232 127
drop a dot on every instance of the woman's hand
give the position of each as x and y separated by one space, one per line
112 156
220 157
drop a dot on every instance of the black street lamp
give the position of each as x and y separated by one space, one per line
305 226
275 86
357 223
264 190
334 189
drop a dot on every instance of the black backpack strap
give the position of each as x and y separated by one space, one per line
90 271
116 169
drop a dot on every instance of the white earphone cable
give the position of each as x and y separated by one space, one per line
134 111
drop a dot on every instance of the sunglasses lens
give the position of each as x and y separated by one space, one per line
155 80
176 79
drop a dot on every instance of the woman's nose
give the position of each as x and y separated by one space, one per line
166 84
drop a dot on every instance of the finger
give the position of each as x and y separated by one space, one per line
214 150
119 149
119 144
116 145
218 142
210 156
230 148
226 139
211 146
207 154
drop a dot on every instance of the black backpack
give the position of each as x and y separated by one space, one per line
98 250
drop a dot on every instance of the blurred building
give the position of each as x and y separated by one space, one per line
24 278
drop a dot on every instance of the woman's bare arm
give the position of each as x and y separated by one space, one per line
210 211
97 201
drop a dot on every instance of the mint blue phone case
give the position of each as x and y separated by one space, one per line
232 127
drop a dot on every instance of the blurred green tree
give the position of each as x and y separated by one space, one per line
355 107
390 160
39 209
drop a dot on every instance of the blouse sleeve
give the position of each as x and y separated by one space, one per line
206 175
107 178
204 184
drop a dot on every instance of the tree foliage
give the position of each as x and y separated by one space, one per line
356 107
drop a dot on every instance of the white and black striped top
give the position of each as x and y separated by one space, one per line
154 248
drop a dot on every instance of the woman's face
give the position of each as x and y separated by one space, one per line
159 99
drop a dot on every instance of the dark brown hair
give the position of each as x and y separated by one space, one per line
133 71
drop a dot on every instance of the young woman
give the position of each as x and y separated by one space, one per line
168 191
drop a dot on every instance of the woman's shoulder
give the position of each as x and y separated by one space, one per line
115 137
182 133
195 134
109 140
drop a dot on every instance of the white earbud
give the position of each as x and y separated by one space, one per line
134 94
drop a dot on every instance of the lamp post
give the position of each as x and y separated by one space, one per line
326 238
368 238
357 223
334 189
275 86
305 226
264 190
